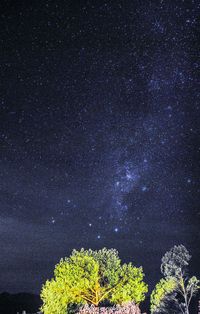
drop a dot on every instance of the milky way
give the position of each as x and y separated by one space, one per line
99 133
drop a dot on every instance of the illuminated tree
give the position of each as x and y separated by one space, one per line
174 267
90 277
162 295
175 263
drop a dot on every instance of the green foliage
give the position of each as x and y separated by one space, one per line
92 277
54 297
161 294
131 287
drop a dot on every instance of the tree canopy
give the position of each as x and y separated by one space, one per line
92 277
175 261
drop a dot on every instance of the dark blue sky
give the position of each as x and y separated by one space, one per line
99 133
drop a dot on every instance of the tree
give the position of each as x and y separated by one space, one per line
90 277
175 267
175 263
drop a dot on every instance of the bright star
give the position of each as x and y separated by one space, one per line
128 176
53 220
144 188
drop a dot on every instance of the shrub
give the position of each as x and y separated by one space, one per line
126 308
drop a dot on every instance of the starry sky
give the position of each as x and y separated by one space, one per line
99 133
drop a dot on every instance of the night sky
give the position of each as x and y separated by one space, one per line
99 133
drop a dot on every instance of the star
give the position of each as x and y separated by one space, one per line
129 176
144 188
53 220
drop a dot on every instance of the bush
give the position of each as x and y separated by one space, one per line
127 308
